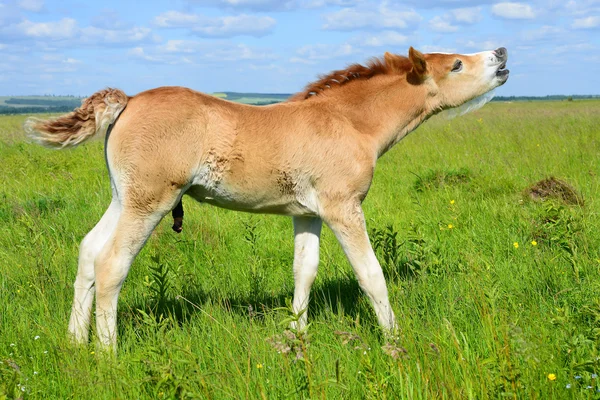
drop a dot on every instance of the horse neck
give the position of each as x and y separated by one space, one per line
385 108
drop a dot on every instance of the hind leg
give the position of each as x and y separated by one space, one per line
84 283
307 232
112 265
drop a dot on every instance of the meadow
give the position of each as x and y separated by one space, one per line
497 295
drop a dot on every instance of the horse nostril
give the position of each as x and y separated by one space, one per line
501 52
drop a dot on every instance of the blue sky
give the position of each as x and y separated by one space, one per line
277 46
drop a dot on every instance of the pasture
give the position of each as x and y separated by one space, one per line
496 295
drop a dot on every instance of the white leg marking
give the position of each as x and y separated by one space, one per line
112 266
307 231
84 283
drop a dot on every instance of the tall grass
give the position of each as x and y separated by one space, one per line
496 295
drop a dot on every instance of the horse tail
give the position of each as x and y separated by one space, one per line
94 116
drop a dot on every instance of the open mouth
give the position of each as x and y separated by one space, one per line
502 71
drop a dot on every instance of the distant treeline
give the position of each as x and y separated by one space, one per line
233 96
546 98
33 110
72 103
50 104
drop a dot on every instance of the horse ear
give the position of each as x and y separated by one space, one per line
396 63
418 61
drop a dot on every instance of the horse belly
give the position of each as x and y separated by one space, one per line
255 202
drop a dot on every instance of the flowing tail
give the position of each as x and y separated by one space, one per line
94 116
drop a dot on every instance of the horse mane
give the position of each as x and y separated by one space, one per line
387 65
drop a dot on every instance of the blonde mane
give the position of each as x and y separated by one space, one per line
389 64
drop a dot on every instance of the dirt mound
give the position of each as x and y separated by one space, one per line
553 188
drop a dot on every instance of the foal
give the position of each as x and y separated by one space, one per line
311 158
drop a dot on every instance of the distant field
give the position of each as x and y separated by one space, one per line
44 104
497 295
37 104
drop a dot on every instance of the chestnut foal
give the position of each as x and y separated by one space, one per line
311 158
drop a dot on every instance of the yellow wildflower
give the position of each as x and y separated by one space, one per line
533 243
551 377
450 226
92 352
259 365
516 244
451 201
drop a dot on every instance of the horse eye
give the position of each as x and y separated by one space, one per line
457 66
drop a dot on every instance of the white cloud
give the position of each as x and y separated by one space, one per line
254 5
276 5
192 51
176 19
180 46
227 26
544 33
469 15
316 52
64 29
31 5
572 48
582 8
237 52
138 52
95 35
236 25
439 24
510 10
437 49
481 46
382 17
386 38
448 22
590 22
52 35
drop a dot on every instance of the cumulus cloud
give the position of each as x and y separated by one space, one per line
67 33
385 38
93 35
481 45
227 26
582 8
310 54
275 5
543 34
237 52
449 22
439 24
447 4
382 17
468 15
64 29
437 49
31 5
253 5
510 10
193 51
590 22
176 19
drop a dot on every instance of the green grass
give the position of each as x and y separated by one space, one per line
202 314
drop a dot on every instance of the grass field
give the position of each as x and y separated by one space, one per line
496 295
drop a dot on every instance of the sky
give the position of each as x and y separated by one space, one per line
278 46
